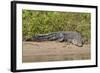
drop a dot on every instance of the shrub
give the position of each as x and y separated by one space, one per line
40 22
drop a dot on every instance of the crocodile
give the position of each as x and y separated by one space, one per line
69 36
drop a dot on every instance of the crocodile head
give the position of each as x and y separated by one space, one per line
78 43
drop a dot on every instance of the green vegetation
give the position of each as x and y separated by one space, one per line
40 22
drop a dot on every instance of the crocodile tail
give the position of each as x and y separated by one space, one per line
42 37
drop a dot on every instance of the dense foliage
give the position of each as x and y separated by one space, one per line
40 22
